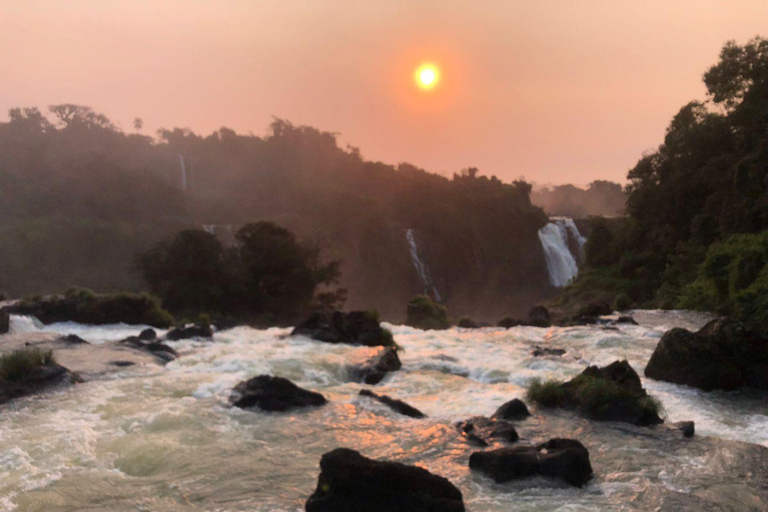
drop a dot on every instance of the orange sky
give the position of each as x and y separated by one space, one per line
557 91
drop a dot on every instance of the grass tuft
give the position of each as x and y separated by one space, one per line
17 364
548 393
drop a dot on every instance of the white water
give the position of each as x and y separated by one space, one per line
91 333
164 439
421 267
183 172
561 262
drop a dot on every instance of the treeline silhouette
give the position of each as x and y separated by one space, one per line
698 205
600 198
80 199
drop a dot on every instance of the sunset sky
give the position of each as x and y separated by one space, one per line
554 91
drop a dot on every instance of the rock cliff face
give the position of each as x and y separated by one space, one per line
724 354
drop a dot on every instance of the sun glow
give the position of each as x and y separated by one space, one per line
427 76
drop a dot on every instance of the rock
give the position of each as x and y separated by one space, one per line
270 393
594 309
5 322
508 322
36 380
515 409
349 482
539 351
376 368
424 313
147 335
724 354
688 428
355 327
122 364
538 316
191 331
396 405
156 348
480 428
468 323
626 319
73 339
565 459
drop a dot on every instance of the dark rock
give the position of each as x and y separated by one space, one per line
688 428
376 368
538 316
273 394
156 348
122 363
5 322
487 429
595 309
625 319
468 323
724 354
424 313
396 405
349 482
192 331
539 351
565 459
148 335
74 339
355 327
36 380
508 322
515 409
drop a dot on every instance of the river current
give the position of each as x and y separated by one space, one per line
152 438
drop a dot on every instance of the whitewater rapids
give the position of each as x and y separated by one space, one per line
155 438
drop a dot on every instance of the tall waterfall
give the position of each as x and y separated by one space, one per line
563 248
417 257
183 172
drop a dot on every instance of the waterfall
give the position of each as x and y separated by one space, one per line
421 267
563 247
183 172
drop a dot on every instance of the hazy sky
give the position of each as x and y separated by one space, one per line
557 91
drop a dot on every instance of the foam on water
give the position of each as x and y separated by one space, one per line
163 438
91 333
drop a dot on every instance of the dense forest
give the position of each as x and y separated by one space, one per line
80 200
600 198
697 207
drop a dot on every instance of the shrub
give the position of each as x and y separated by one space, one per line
424 313
467 323
17 364
548 393
622 302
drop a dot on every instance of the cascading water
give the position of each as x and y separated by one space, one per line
560 239
183 172
421 267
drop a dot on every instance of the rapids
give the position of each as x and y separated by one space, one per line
163 438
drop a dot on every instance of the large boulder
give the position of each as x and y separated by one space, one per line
190 331
376 368
515 409
610 393
349 482
565 459
482 431
424 313
355 327
270 393
724 354
538 316
396 405
5 322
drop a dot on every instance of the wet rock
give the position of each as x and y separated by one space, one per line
270 393
724 354
156 348
349 482
487 429
35 380
468 323
147 335
191 331
396 405
122 364
515 409
538 316
355 327
376 368
508 322
564 459
73 339
5 322
595 308
626 319
687 428
540 352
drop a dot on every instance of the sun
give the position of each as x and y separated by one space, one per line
427 76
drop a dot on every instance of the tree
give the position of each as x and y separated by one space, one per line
138 124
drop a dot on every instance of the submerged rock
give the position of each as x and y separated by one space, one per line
270 393
355 327
73 339
376 368
156 348
539 351
724 354
515 409
396 405
349 482
188 332
626 319
481 430
565 459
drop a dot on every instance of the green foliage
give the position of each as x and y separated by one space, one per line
596 397
424 313
16 365
623 302
388 339
548 393
467 323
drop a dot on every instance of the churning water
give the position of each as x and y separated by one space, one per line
163 438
